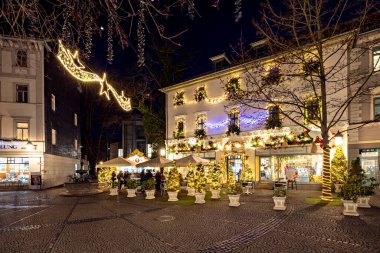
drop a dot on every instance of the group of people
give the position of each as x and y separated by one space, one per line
123 177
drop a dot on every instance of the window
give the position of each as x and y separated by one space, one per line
53 137
273 119
233 118
75 119
376 108
201 122
76 144
312 110
53 102
376 58
22 131
21 93
180 126
22 58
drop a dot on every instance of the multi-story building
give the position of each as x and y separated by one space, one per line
133 137
39 116
190 115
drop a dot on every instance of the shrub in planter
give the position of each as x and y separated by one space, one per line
215 177
200 183
173 184
131 188
234 192
367 189
279 197
349 192
149 187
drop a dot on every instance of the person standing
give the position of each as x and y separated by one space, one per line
158 181
120 179
142 176
148 175
113 178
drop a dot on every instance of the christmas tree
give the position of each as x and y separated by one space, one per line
200 180
174 184
190 178
338 166
215 176
231 179
247 174
356 169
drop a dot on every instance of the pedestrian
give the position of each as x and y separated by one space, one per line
126 176
148 175
113 178
142 175
158 181
120 179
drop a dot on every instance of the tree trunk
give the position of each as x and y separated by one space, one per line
326 175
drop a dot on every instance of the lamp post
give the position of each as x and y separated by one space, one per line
338 139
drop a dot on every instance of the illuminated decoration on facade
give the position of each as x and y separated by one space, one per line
75 67
255 122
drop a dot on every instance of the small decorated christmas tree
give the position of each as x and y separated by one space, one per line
200 180
174 184
215 176
190 178
247 174
338 166
231 179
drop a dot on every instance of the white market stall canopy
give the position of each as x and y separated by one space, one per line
157 162
116 162
184 161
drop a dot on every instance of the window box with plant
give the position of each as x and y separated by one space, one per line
149 187
200 94
131 188
215 177
200 133
200 183
178 135
173 183
311 67
273 77
279 197
232 87
233 129
178 98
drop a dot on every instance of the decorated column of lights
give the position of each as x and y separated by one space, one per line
74 66
326 176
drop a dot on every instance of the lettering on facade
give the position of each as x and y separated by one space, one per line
9 144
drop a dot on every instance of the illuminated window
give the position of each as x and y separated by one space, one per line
201 121
376 58
53 137
22 131
22 58
376 108
233 118
75 119
53 102
21 93
180 126
273 119
312 110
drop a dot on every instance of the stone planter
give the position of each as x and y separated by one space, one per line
150 194
363 201
215 194
234 199
350 208
173 195
190 191
279 203
114 191
337 187
200 198
131 193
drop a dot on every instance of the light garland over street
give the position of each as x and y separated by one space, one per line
75 67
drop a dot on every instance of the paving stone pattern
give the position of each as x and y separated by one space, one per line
43 221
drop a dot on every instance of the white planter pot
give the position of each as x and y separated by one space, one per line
150 194
337 187
190 191
279 203
234 199
363 201
173 195
200 198
215 194
131 193
350 208
114 192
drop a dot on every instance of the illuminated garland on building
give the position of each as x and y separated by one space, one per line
251 121
74 66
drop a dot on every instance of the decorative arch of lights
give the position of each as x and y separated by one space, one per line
75 67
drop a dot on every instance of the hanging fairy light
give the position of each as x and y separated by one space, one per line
141 35
75 67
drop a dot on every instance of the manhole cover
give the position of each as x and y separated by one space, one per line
166 218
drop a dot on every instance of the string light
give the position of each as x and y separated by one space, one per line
75 67
251 121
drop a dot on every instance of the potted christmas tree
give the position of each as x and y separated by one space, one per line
131 188
148 187
234 189
215 175
248 178
200 183
173 185
190 182
349 193
338 168
279 197
366 190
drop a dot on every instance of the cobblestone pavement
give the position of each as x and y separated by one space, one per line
43 221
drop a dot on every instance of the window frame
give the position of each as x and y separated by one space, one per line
22 58
22 130
376 52
235 120
201 121
277 114
374 107
23 100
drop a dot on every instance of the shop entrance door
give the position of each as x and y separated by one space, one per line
265 169
236 164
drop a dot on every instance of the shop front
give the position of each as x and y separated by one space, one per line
370 162
292 163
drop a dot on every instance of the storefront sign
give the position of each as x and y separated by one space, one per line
9 144
284 151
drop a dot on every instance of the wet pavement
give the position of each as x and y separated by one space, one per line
44 221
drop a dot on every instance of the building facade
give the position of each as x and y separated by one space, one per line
236 136
133 137
39 116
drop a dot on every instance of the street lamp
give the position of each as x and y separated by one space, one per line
29 146
338 139
162 152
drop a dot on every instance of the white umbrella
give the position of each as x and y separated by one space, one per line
157 162
116 162
184 161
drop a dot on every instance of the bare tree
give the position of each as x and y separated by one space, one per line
313 47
